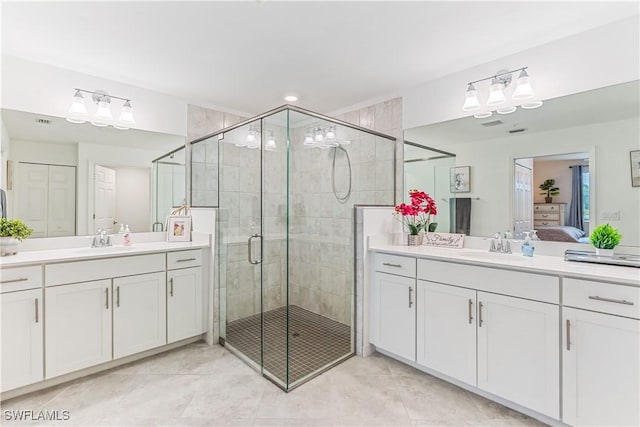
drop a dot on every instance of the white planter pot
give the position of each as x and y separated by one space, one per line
9 246
604 252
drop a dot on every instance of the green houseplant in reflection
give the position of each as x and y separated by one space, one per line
12 232
549 190
605 238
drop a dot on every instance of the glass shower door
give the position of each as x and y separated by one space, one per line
240 228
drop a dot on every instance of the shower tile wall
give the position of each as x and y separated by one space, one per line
321 232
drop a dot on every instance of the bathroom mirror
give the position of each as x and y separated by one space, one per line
603 123
66 179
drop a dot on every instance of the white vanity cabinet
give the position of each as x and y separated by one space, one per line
518 356
185 297
139 313
93 321
393 307
446 330
78 332
22 326
601 354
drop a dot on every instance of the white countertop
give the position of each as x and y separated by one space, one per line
537 264
85 253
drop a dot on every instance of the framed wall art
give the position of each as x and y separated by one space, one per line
635 168
460 179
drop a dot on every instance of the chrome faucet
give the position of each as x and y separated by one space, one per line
500 245
101 239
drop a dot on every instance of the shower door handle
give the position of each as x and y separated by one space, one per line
250 253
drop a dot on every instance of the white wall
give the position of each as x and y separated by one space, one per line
553 169
133 197
44 89
608 144
596 58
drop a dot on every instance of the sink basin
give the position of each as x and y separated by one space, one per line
491 255
105 250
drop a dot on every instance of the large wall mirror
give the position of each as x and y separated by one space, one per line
583 142
66 179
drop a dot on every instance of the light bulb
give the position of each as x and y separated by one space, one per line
523 87
308 139
126 114
496 92
471 102
330 135
318 137
78 111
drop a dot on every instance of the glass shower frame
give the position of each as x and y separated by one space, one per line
165 172
257 246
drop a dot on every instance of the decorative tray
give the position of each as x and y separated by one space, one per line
590 256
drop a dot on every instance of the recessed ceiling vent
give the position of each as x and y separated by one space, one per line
43 121
493 123
517 130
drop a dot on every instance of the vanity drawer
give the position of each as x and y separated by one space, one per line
394 264
184 259
20 278
547 216
536 287
97 269
601 296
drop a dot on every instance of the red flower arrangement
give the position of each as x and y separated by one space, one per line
417 215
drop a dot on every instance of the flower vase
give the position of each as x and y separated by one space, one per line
604 252
415 239
9 246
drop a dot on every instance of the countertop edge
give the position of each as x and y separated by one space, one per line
582 272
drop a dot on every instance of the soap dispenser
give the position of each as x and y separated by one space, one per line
527 247
127 236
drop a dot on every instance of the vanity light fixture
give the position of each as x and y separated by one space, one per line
323 138
498 100
103 116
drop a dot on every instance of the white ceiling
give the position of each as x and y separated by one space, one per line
595 106
247 55
22 126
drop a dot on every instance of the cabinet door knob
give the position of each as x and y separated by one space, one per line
568 335
106 297
410 299
37 314
117 296
480 314
470 310
171 286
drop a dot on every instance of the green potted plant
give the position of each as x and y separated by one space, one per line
605 238
12 233
549 189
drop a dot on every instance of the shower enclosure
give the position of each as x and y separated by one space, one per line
285 183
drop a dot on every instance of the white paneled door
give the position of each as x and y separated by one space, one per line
522 200
104 195
46 198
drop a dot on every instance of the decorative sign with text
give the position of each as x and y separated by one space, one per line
444 240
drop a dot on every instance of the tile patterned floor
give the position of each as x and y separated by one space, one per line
201 385
314 341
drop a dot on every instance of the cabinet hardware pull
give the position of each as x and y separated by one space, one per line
106 297
410 292
22 279
37 318
568 335
117 296
388 264
544 215
171 286
470 310
185 259
617 301
480 314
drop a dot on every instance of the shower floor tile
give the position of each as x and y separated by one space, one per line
313 340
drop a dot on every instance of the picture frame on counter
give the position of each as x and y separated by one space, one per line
179 228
